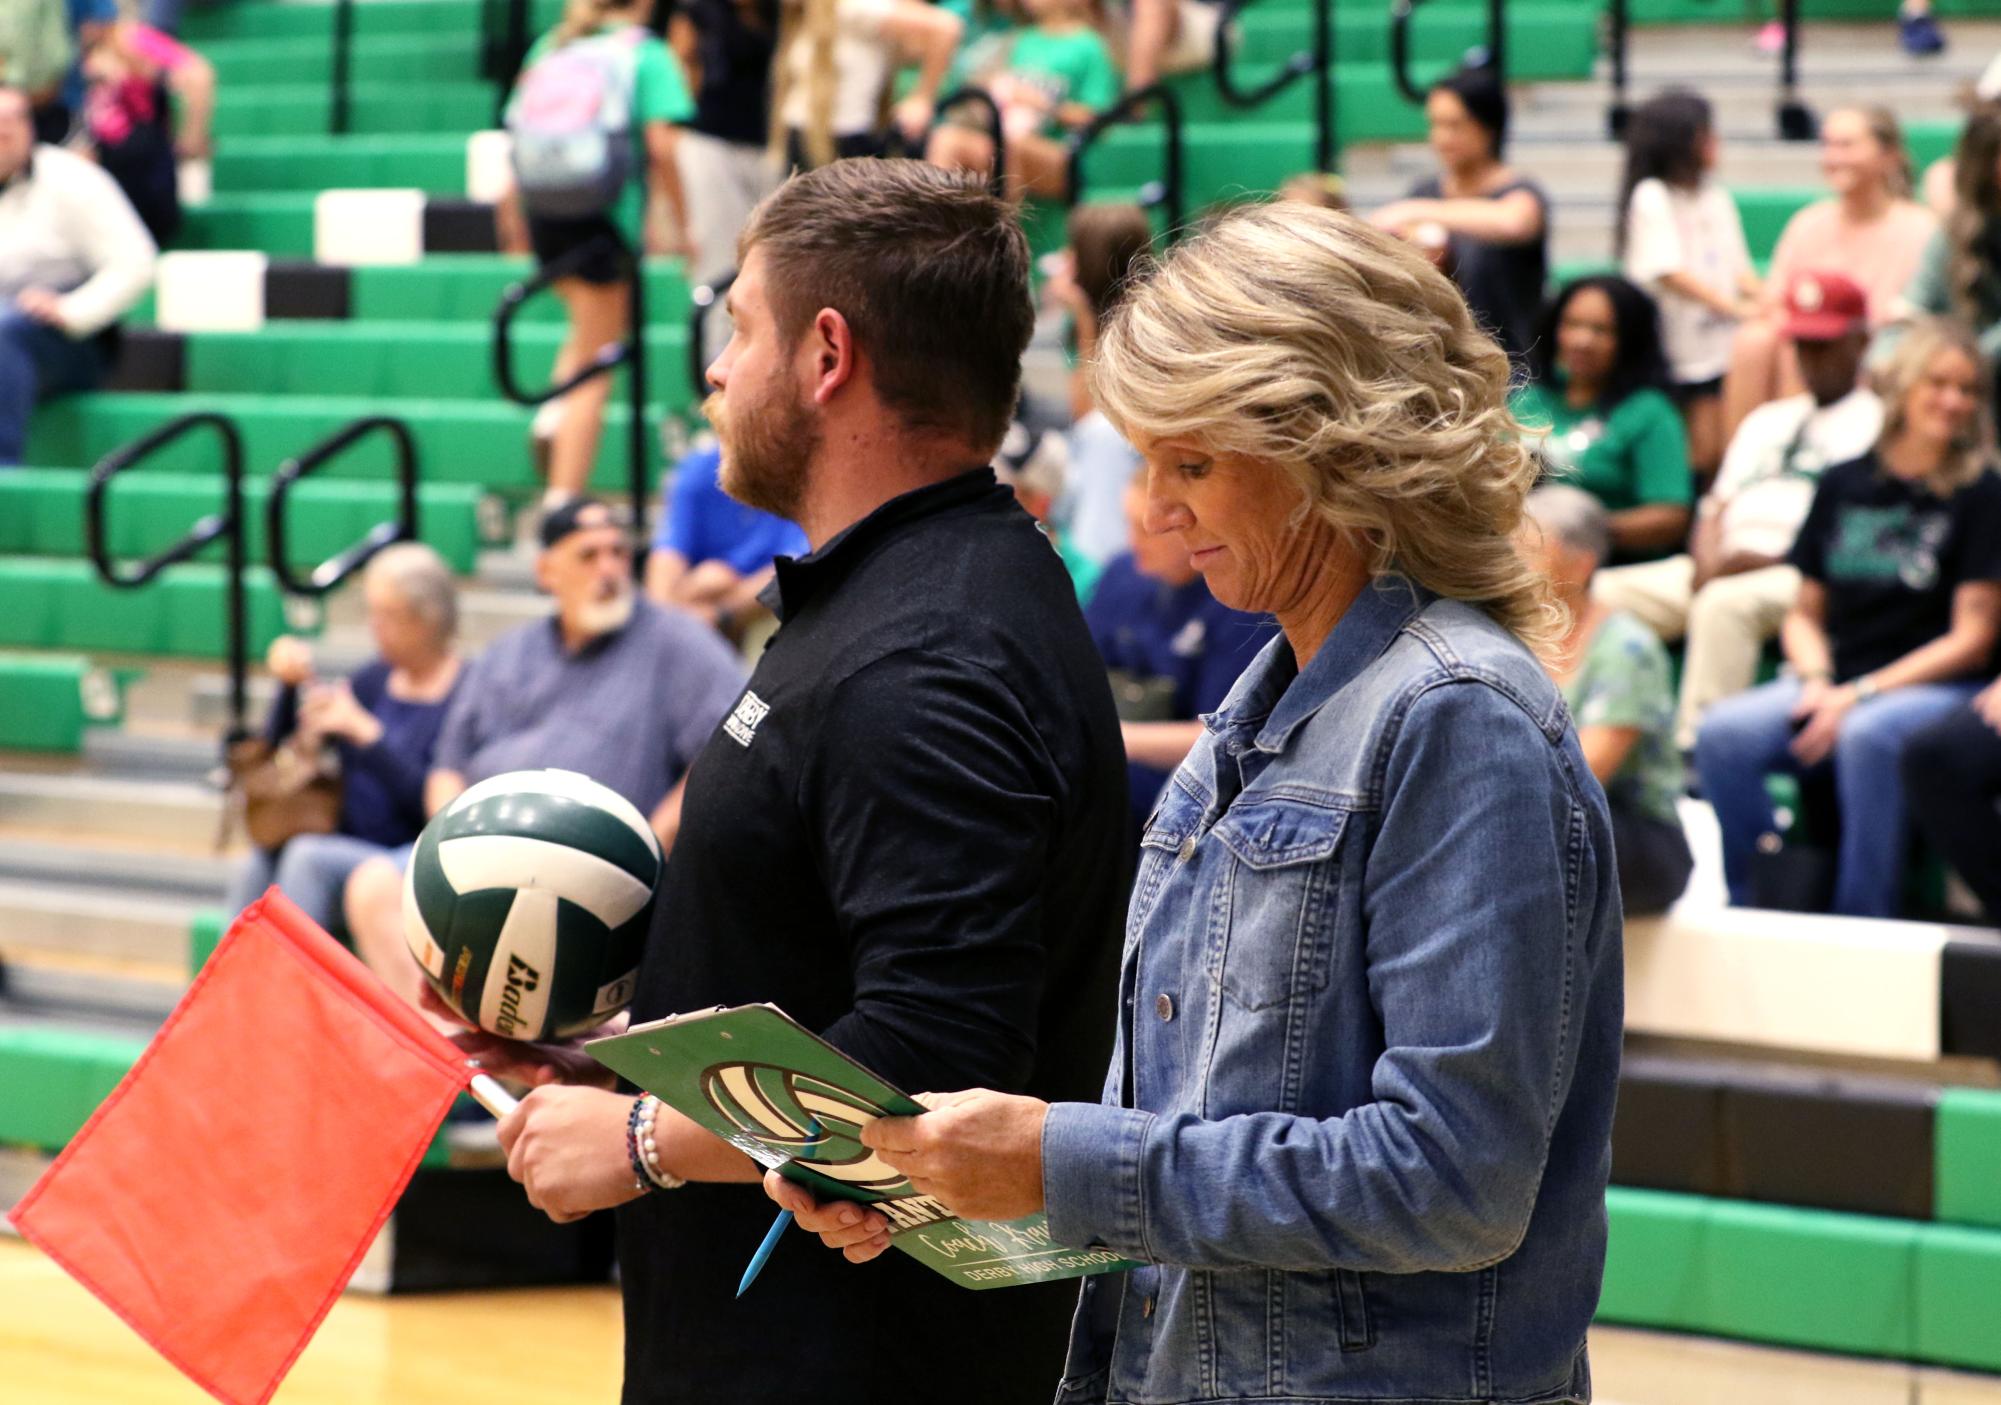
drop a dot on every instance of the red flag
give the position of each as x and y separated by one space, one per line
224 1193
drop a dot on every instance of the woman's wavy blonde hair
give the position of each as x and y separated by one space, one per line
1307 339
1929 338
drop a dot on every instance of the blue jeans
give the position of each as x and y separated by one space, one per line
312 870
1747 737
38 362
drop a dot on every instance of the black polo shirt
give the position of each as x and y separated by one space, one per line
908 833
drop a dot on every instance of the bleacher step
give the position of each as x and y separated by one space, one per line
117 807
50 917
193 874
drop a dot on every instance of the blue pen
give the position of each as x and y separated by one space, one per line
772 1235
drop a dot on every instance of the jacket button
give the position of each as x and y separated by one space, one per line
1187 850
1163 1005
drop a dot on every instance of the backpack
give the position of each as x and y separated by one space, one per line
571 120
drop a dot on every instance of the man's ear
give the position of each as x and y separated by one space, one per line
834 354
542 580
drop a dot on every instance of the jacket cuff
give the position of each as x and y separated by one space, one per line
1091 1176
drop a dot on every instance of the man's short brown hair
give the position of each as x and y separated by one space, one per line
929 269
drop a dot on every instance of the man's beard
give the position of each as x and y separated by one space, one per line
766 451
607 616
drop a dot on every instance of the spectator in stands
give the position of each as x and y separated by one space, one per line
1681 240
836 59
36 51
711 554
1870 229
1733 586
1959 275
1051 78
73 260
1174 651
1321 188
1485 222
1615 676
724 149
1161 38
382 722
647 216
151 104
87 19
1952 770
1109 245
1917 30
1900 559
613 687
1596 399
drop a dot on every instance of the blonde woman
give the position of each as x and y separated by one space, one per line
836 59
1356 1128
1869 227
1894 625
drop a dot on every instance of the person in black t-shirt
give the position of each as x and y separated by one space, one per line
1952 770
909 831
1893 630
1484 223
724 153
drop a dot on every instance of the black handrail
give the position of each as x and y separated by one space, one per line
1795 118
984 100
1618 29
1493 56
335 569
1317 62
1133 107
340 112
226 525
703 299
503 47
631 353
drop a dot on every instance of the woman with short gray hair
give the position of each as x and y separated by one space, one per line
1615 676
381 723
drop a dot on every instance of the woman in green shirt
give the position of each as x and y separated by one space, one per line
1597 405
1615 677
648 216
1049 78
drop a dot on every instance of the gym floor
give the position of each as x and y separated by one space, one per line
60 1346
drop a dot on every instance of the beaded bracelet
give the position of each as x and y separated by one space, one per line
644 1112
639 1181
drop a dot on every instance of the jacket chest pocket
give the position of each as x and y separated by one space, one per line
1273 914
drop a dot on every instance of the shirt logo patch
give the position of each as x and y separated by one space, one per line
741 725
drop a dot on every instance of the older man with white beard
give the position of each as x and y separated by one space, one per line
611 686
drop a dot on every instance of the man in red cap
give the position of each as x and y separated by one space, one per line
1729 592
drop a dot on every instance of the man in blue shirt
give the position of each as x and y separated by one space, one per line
1174 652
711 554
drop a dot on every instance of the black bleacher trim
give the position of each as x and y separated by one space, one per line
459 227
297 288
1969 997
1865 1146
463 1229
148 359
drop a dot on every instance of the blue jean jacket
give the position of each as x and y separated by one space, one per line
1359 1114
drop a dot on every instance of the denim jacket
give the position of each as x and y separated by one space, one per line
1358 1120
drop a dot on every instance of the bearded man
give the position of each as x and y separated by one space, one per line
908 831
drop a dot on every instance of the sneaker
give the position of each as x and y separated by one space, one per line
1919 34
1771 38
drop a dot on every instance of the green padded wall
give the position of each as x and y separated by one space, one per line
55 1079
47 700
1959 1296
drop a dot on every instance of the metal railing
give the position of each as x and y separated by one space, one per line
504 41
703 299
340 113
630 353
335 569
227 526
990 110
1794 118
1135 107
1316 62
1494 57
1618 31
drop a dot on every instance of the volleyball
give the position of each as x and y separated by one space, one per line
527 902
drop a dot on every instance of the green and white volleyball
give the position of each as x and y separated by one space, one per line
527 903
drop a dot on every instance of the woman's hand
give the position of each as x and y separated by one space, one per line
290 660
334 711
1830 706
858 1232
518 1060
567 1148
913 118
1987 702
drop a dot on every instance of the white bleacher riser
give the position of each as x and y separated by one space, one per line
204 290
366 227
489 166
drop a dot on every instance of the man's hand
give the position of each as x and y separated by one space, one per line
43 305
567 1148
979 1152
1824 716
